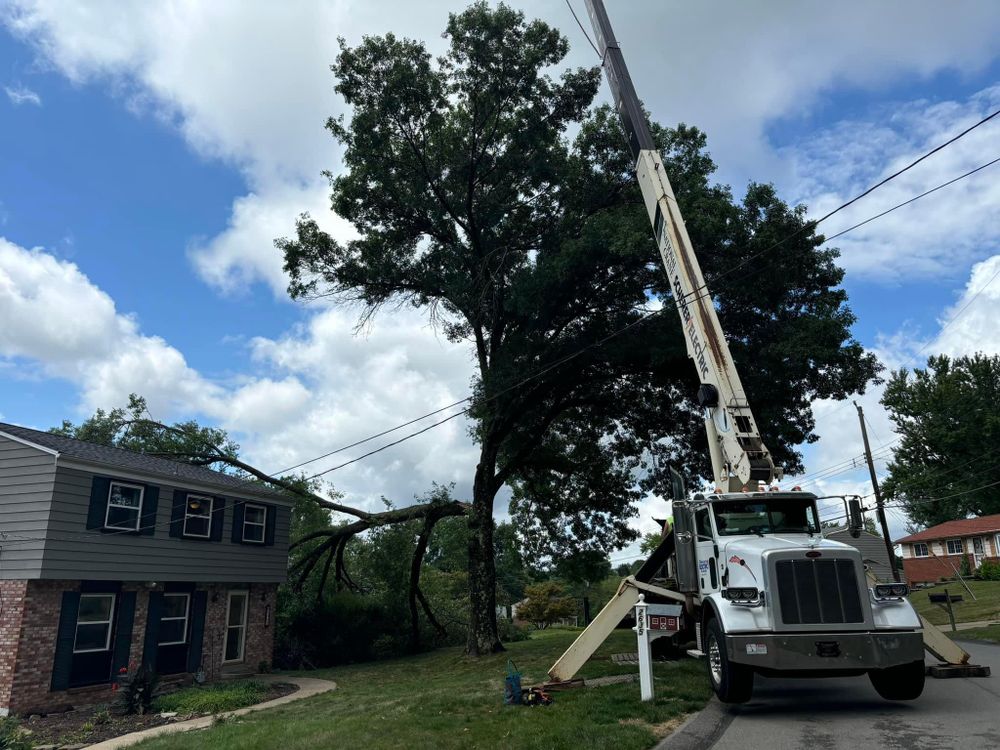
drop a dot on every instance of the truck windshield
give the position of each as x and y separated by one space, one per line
771 516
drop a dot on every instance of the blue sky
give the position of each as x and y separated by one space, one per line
148 158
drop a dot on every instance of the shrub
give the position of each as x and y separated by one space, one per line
511 633
135 690
213 699
989 570
11 737
964 568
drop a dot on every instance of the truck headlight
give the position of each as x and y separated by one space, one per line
891 590
741 596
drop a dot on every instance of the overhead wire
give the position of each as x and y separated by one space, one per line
700 292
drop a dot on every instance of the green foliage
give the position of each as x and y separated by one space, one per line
122 427
650 542
989 570
545 603
135 691
948 417
965 567
511 632
583 567
11 736
214 698
471 203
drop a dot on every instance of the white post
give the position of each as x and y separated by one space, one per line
645 656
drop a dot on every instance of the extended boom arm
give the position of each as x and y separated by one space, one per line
738 453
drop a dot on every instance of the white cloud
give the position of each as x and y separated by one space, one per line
938 236
19 95
326 387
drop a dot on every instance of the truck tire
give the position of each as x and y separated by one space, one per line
902 683
732 683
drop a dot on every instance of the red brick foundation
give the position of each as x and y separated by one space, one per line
29 620
932 569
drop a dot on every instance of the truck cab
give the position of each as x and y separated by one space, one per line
768 595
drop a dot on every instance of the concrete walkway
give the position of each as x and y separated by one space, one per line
970 625
308 687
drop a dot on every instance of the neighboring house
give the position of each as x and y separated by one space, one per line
110 559
871 546
937 552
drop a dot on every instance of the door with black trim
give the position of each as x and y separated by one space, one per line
236 626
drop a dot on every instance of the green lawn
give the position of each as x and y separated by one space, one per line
990 634
445 700
986 608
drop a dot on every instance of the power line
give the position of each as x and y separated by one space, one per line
585 34
700 292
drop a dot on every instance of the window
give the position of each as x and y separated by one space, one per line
254 520
920 550
765 516
954 546
198 516
93 623
174 620
124 506
702 524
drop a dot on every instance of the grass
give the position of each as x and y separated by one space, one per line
445 699
990 634
211 699
987 606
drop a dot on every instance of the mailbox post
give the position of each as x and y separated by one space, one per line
652 621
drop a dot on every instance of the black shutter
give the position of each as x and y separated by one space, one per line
272 512
218 518
123 631
177 513
199 601
238 508
99 489
153 615
65 638
150 499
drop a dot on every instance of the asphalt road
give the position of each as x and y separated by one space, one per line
847 713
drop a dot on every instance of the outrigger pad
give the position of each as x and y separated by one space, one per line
944 671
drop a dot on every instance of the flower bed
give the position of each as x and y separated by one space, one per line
91 724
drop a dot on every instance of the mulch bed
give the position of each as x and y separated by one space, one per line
88 725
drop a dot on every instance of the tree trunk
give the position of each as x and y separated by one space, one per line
483 635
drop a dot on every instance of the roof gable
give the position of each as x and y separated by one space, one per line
93 453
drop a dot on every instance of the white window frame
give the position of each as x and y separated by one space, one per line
916 549
262 524
110 505
109 622
187 612
243 627
961 545
982 545
187 515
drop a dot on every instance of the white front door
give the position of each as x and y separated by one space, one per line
236 626
978 550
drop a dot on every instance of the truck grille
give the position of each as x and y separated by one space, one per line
818 592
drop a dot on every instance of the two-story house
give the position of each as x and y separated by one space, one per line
110 558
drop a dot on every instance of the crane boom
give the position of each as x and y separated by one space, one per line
739 456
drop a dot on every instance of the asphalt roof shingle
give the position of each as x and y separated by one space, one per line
952 529
140 462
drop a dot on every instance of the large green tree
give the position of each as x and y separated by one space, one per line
472 203
948 418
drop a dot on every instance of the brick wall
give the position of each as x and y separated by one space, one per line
29 622
11 610
930 569
259 643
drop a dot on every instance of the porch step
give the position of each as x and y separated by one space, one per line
237 673
695 653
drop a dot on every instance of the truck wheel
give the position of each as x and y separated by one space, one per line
902 683
732 683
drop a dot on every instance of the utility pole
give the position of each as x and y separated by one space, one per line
879 509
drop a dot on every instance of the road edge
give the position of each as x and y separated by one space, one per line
700 731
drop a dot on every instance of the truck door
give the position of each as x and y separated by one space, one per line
706 551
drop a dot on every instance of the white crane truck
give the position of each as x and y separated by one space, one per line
762 591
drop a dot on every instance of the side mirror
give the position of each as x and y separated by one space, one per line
856 521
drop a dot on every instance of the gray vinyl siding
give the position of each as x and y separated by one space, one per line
872 549
27 476
75 552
